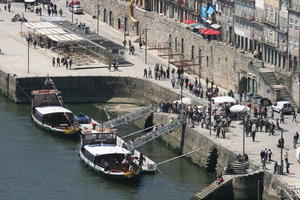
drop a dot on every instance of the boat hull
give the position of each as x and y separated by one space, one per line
99 170
71 133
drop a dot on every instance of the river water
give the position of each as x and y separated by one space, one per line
37 165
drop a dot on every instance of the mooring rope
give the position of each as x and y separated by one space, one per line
177 157
134 133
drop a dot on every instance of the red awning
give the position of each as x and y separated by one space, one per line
209 31
212 32
203 30
189 21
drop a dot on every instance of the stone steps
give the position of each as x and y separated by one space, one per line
271 77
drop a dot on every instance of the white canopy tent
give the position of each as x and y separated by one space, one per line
36 25
185 100
224 99
239 108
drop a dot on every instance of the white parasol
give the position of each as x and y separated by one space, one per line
185 100
239 108
224 99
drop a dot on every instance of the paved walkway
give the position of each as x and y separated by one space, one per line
14 60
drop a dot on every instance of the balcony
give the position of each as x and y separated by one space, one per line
244 15
293 7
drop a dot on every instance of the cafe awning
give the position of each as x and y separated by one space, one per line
212 32
215 26
197 26
189 21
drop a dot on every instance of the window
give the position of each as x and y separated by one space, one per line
296 25
291 23
182 45
192 53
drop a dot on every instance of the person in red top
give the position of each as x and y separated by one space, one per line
249 106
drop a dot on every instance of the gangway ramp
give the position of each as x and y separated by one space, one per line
125 119
213 187
155 133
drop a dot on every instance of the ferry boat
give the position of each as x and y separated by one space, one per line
49 113
106 153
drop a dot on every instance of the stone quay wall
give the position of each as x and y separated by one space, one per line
100 89
219 61
87 88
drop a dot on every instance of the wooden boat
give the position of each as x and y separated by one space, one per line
49 113
105 152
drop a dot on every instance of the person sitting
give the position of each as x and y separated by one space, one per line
220 180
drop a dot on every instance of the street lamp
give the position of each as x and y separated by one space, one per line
281 149
28 42
200 63
245 120
181 88
98 13
210 108
72 10
169 51
146 43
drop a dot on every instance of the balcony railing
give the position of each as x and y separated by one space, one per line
293 7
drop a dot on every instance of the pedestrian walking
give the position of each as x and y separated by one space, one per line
253 136
9 6
53 62
5 7
140 44
145 73
270 155
294 116
70 63
276 167
109 67
60 12
281 117
58 62
124 43
149 73
286 157
287 168
272 113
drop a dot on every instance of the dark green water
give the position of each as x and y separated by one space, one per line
37 165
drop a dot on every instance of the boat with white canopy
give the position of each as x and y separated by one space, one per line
49 113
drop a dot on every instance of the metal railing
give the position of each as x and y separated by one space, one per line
154 134
125 119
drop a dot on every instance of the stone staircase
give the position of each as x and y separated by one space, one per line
240 168
211 188
282 94
204 194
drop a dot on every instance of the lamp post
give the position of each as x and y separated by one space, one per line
210 108
28 42
200 63
281 152
245 120
98 13
146 43
72 10
181 88
169 51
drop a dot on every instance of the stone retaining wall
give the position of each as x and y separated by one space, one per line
220 61
90 88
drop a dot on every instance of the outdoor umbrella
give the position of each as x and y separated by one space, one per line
239 108
224 99
185 100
